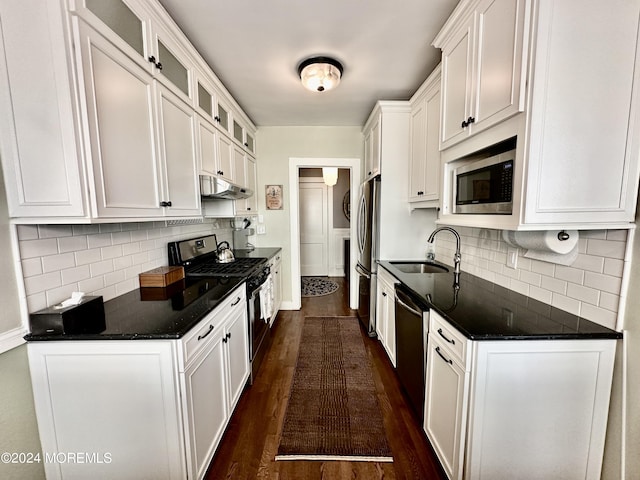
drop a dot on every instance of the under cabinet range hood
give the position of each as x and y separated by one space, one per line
214 187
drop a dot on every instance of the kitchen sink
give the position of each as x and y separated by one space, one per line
420 267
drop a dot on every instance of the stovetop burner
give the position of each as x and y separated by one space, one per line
239 267
198 257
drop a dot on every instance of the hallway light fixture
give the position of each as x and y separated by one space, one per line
330 176
320 74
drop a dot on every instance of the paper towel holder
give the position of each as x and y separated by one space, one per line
562 236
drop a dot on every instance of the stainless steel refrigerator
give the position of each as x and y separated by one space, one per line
368 244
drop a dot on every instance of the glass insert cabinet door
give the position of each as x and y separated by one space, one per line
119 18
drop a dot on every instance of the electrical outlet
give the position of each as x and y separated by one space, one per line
261 229
512 258
260 218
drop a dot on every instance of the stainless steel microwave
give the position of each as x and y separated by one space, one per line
485 186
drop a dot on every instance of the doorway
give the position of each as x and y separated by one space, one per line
295 164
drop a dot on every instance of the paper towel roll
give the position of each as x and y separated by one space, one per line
546 245
546 241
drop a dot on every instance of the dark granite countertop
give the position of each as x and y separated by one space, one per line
482 310
156 313
162 313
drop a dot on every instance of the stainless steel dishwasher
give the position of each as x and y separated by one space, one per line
412 321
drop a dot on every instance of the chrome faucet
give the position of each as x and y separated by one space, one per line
456 257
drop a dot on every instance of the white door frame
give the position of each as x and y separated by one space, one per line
295 164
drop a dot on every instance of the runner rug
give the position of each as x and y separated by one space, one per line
333 411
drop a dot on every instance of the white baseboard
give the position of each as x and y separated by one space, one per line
11 339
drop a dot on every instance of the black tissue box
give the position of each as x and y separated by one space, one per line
86 317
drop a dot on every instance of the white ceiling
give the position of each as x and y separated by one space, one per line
255 46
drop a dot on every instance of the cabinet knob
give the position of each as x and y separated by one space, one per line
152 59
464 124
165 204
471 120
217 118
159 66
246 144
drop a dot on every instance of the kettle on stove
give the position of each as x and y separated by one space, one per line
224 254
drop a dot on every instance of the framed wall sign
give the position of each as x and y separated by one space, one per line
273 197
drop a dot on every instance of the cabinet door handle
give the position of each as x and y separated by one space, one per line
448 360
152 59
225 339
236 302
384 294
228 335
471 120
200 337
217 118
451 341
159 66
464 124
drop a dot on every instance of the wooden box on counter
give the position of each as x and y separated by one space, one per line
161 276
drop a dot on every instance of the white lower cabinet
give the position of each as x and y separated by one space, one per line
212 385
141 408
447 388
385 313
534 409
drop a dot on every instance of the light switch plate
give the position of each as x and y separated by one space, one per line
512 258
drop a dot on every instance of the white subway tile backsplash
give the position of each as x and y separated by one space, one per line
617 235
100 268
584 294
554 285
609 301
570 274
76 274
42 283
27 232
606 248
567 304
85 257
99 241
613 267
603 282
54 231
119 238
38 248
590 287
52 263
591 263
605 317
111 252
31 267
540 294
72 244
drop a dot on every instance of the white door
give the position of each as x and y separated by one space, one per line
313 229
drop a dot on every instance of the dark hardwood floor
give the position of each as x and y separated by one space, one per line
249 446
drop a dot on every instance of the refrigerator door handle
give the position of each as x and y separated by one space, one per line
363 271
362 222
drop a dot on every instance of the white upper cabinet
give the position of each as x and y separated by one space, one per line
424 169
584 116
482 66
372 147
122 138
577 160
125 112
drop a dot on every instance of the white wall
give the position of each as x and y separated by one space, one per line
18 427
275 146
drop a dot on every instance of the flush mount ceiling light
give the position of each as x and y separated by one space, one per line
320 74
330 176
